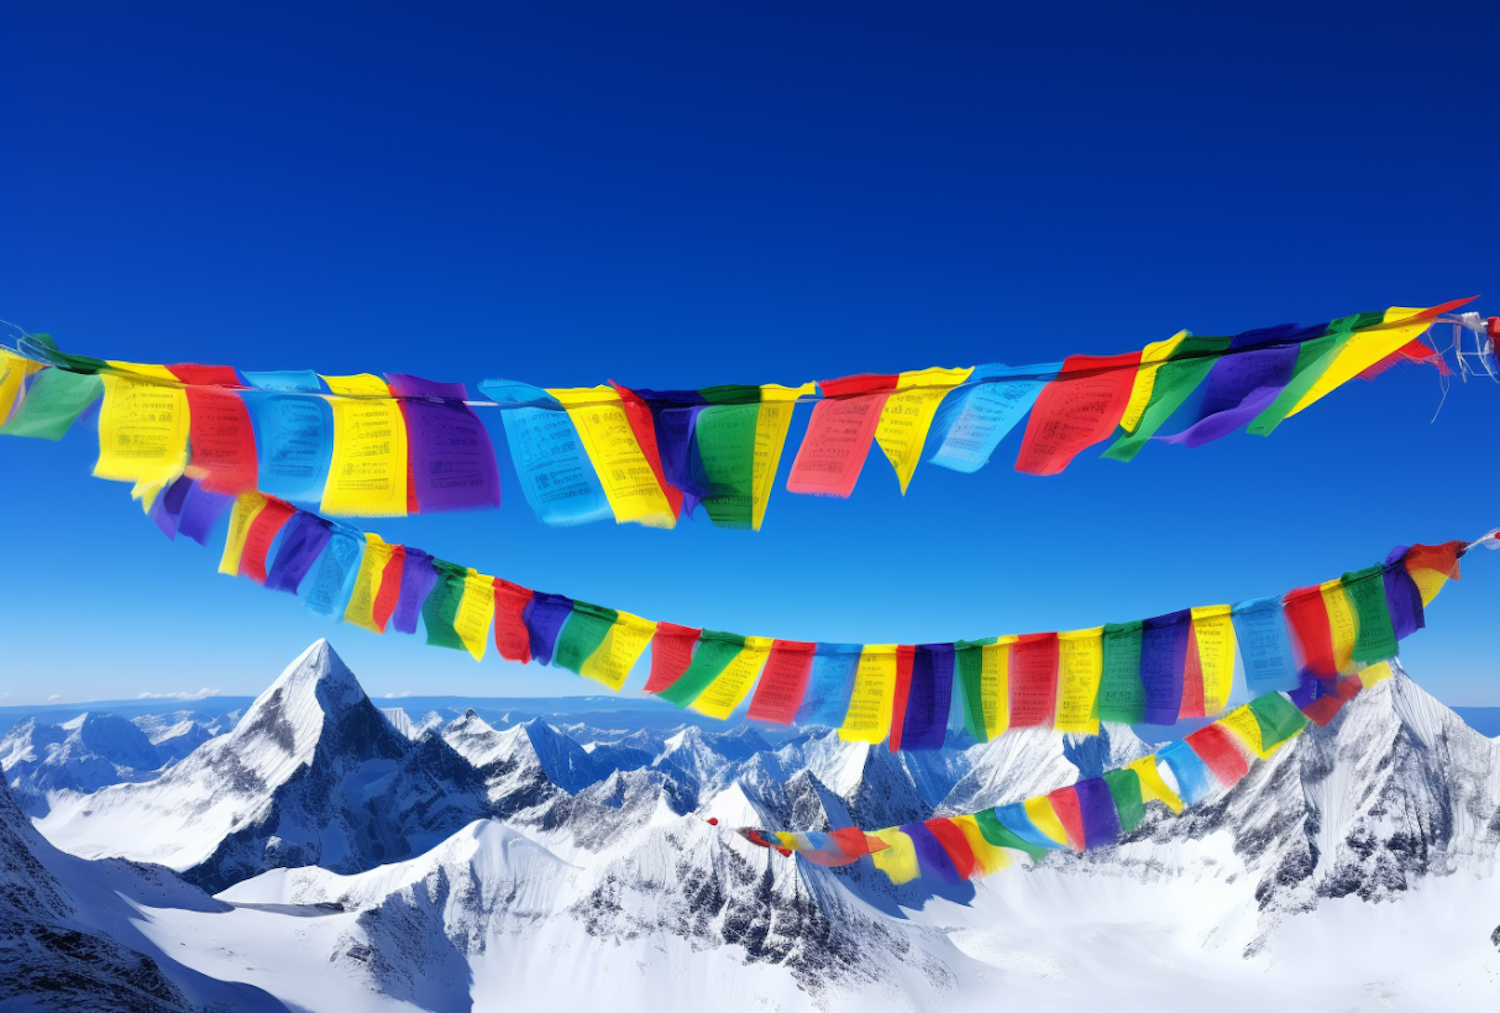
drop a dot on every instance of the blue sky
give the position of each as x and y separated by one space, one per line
679 195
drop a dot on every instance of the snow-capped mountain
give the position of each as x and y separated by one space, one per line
313 774
83 754
69 935
1354 870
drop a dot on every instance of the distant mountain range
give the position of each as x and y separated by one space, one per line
374 857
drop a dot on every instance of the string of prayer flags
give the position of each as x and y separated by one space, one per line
1153 671
366 445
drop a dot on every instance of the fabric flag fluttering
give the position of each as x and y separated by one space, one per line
379 446
1090 813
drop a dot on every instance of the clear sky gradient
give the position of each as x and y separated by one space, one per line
680 195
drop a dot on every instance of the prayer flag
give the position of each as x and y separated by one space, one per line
418 578
1260 631
716 650
512 639
898 859
219 432
1194 782
907 415
1153 788
1033 680
1076 410
581 635
1431 566
839 434
622 647
830 684
440 610
1082 666
1096 806
53 403
1122 697
1307 615
1001 836
1213 634
293 429
451 461
868 718
628 480
1188 362
143 425
14 370
1164 647
725 694
671 654
925 721
262 531
367 473
544 617
1402 596
643 424
973 421
1343 624
247 506
476 610
1064 802
303 541
1216 748
337 567
1125 790
556 477
1375 637
1152 356
783 684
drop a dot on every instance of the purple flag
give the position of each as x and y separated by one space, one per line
302 541
418 578
451 459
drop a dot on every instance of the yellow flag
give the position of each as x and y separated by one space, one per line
1152 356
1363 350
14 369
724 694
1241 721
143 426
247 507
1429 582
898 859
367 477
1214 628
629 483
1039 810
1153 788
361 608
1343 623
771 425
476 612
1081 664
908 414
869 716
994 686
617 654
1378 672
987 856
